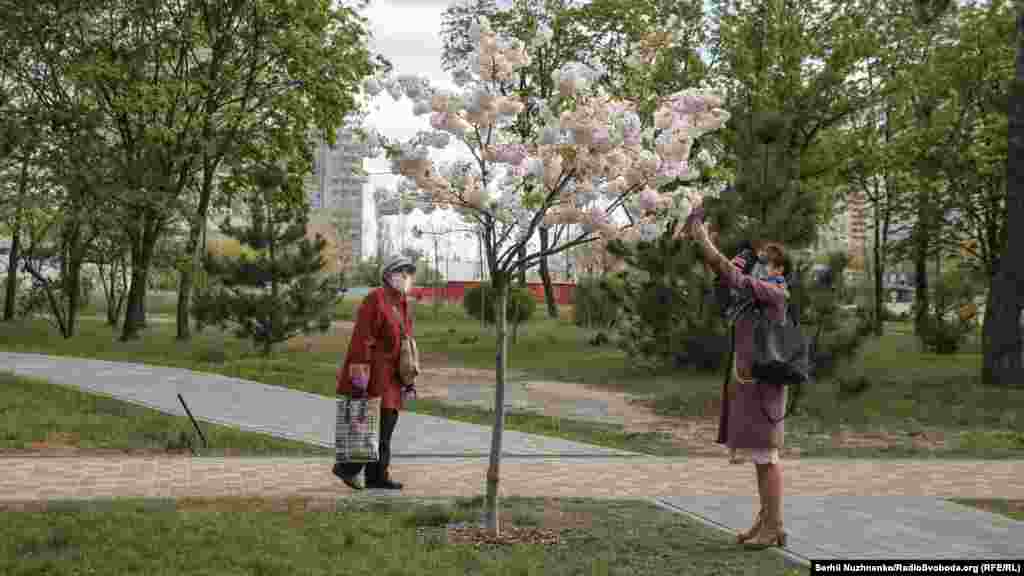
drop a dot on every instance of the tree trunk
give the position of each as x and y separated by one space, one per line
493 471
921 269
272 320
522 284
142 255
12 271
188 274
184 296
117 293
145 296
14 256
545 276
1002 363
73 281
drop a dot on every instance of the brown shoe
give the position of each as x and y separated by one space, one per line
744 536
769 535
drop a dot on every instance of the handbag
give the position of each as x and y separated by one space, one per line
781 355
408 355
357 430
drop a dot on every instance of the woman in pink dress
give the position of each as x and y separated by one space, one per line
745 426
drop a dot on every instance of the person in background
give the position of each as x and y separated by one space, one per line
371 366
745 426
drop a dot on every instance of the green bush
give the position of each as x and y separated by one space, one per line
521 304
592 303
942 330
943 336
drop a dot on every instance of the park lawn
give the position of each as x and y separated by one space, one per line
1010 508
363 537
898 401
38 414
921 404
312 370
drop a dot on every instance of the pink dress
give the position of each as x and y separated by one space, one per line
743 425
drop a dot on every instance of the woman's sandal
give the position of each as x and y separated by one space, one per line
744 536
768 536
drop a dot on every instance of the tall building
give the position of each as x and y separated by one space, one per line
857 229
337 184
334 184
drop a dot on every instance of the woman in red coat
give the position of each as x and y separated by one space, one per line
371 366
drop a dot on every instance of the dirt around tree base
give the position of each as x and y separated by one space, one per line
479 536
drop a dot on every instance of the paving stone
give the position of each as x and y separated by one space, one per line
864 527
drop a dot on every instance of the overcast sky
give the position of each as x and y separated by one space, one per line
408 33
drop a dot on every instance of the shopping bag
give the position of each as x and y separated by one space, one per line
357 431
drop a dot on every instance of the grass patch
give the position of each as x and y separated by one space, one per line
395 537
916 404
1010 508
310 370
157 303
39 414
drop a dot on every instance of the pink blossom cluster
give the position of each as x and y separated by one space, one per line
594 145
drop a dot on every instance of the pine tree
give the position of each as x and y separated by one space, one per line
284 290
668 315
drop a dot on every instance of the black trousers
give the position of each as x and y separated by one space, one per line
377 471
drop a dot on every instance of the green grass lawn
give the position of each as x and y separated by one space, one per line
920 404
892 389
311 371
35 411
363 537
1009 508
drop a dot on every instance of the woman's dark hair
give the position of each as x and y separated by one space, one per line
777 256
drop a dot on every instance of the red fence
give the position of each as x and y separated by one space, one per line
454 291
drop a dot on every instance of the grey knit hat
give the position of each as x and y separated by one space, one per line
395 264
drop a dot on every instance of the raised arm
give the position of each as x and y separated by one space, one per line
731 276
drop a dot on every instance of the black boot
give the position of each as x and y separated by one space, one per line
385 485
377 475
351 480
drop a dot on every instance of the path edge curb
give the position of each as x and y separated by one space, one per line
788 555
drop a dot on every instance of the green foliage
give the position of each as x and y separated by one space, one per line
148 121
365 273
782 107
521 304
947 324
668 316
836 339
281 293
593 305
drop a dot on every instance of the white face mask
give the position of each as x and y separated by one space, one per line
401 282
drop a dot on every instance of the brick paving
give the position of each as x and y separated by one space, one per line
37 478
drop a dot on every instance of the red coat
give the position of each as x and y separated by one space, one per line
376 341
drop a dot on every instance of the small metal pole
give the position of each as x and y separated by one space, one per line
194 423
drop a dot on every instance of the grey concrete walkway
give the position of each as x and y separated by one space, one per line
275 410
872 527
